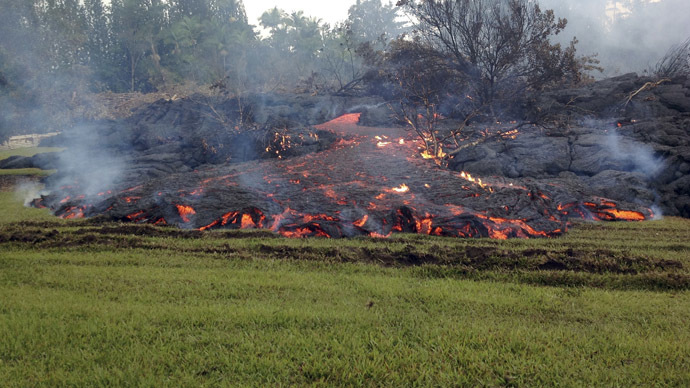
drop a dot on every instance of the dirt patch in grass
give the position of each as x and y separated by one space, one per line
548 263
483 258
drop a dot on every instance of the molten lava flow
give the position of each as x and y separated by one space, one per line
185 211
626 215
345 190
73 212
424 225
306 218
605 210
361 221
247 222
138 216
245 219
304 232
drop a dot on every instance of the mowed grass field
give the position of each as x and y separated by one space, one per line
92 303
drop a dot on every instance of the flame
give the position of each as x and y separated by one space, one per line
439 154
185 211
382 141
468 177
510 134
401 189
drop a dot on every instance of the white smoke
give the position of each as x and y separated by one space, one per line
637 156
28 190
625 38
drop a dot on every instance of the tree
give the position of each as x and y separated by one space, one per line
425 89
372 21
99 41
501 47
136 25
349 46
65 33
297 43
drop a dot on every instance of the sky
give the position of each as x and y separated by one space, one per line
328 10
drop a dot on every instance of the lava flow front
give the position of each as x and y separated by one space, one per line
371 181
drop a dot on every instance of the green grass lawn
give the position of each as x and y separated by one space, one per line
88 303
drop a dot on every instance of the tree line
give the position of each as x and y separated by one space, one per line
145 45
438 57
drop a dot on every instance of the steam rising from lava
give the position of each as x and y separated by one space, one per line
639 157
87 165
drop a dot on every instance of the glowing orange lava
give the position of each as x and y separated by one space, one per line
361 221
